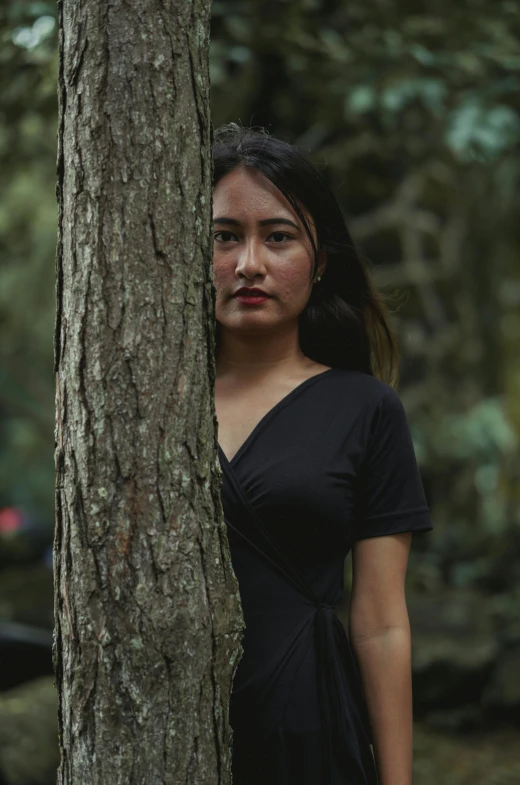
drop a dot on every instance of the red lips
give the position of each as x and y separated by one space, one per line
251 292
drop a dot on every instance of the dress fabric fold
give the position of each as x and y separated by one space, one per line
296 496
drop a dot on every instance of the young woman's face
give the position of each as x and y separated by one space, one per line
259 241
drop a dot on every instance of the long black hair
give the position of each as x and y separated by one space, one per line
345 323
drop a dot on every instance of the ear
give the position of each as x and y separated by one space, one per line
322 261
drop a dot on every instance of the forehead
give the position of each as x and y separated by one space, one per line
246 192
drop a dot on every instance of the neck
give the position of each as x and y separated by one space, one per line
253 356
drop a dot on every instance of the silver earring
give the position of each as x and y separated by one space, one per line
318 278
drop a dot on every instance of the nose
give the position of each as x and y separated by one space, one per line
250 261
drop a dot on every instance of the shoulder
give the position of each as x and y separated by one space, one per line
368 391
371 404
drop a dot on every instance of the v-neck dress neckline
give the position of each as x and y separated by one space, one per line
269 414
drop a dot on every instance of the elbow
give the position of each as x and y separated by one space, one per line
366 627
378 634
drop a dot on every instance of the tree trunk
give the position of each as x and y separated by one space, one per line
148 619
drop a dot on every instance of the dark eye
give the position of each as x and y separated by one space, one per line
281 234
222 232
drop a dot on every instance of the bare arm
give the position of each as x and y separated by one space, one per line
379 632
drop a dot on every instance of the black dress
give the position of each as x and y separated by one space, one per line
331 463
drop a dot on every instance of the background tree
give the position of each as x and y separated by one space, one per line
147 614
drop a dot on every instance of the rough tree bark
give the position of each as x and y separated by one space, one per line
148 620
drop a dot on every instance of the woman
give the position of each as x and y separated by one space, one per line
317 460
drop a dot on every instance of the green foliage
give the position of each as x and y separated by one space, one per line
453 72
28 219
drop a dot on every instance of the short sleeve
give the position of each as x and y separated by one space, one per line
390 491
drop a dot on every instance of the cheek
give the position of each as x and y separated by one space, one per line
293 279
222 271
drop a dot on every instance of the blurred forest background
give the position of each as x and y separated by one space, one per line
412 113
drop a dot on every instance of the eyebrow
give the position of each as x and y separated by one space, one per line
265 222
